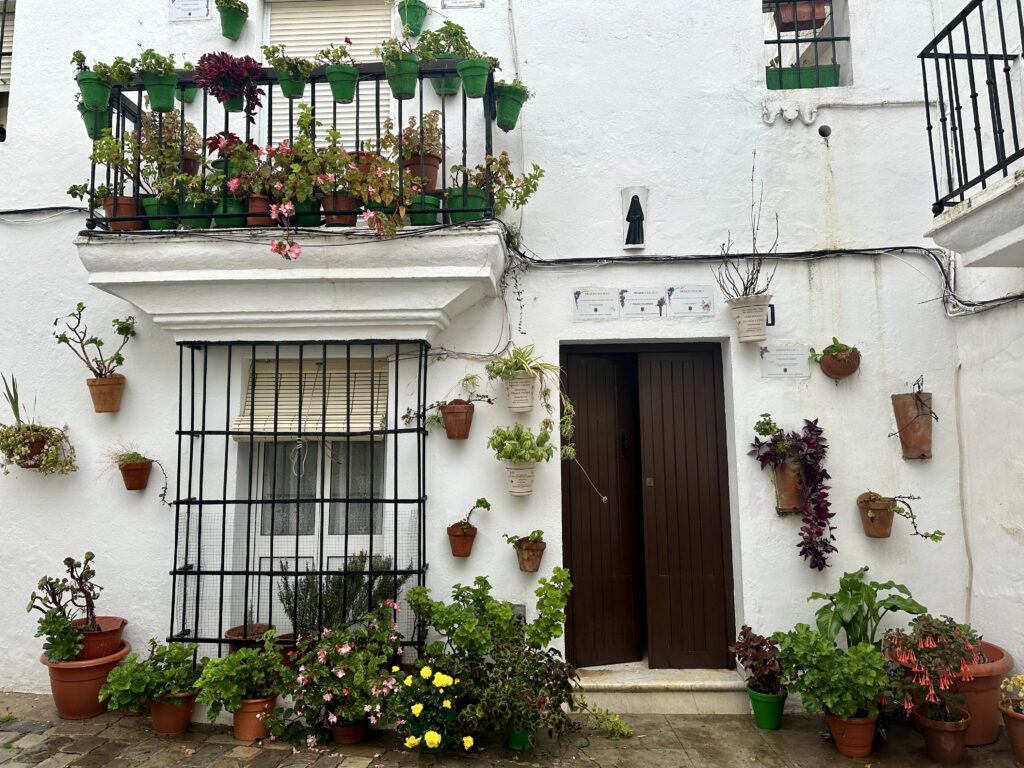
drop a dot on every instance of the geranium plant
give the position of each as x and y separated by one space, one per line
758 656
449 39
496 174
426 135
229 77
295 66
248 673
168 670
31 445
337 53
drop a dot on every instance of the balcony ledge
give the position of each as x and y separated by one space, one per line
987 229
223 285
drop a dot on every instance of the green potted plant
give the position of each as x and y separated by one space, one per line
95 84
519 450
462 533
1012 707
292 71
106 386
384 188
401 65
758 656
934 657
847 684
449 41
837 360
135 468
95 120
187 94
122 157
245 683
877 513
160 77
509 100
522 370
413 13
470 187
233 14
30 445
342 76
78 652
474 71
165 682
231 80
529 550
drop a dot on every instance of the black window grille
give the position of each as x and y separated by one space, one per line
6 52
300 492
808 49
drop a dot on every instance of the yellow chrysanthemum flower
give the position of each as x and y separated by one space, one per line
426 672
467 742
432 738
446 704
412 741
416 709
456 679
395 669
408 680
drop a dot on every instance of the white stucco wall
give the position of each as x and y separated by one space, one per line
666 95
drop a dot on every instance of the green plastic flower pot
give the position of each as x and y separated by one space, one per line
423 210
307 213
469 198
388 210
160 89
412 13
153 207
235 104
95 92
474 77
343 79
187 95
231 22
231 206
789 78
446 86
767 709
203 210
95 120
220 165
292 85
509 102
402 75
521 740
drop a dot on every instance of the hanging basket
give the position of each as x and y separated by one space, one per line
519 476
529 554
292 85
914 417
413 13
510 101
461 539
750 314
95 120
840 365
446 85
789 486
457 417
136 475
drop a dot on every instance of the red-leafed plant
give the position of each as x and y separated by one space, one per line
229 77
756 654
810 447
934 656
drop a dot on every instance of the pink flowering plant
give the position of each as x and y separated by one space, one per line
384 189
342 677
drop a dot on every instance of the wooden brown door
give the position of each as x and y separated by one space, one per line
687 550
606 623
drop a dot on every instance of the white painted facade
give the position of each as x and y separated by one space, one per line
664 95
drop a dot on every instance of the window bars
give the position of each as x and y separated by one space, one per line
300 492
803 53
971 84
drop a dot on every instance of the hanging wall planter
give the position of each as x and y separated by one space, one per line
509 100
233 14
413 13
160 89
402 75
291 71
837 360
529 550
521 391
107 386
876 514
95 121
457 417
800 16
750 314
342 79
519 476
790 493
446 86
462 533
474 77
914 416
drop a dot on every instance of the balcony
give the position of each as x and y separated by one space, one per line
975 126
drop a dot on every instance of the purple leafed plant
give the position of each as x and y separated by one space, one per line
228 77
809 448
756 654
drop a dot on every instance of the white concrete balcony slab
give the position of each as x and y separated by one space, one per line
222 285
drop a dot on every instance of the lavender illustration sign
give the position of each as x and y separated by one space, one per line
689 300
594 303
643 302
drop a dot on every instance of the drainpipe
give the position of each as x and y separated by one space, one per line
961 470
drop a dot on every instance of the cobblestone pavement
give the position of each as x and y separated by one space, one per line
37 737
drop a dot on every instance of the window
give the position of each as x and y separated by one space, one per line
807 44
6 50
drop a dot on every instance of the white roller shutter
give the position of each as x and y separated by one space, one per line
308 26
7 46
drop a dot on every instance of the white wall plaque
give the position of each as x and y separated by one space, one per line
642 302
188 10
462 3
690 300
594 303
779 361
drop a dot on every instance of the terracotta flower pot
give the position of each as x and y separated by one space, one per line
75 685
461 539
106 393
170 718
107 640
36 441
352 733
259 212
853 736
529 554
250 719
981 694
334 203
841 365
119 207
457 417
136 475
246 635
875 515
802 15
913 412
1014 722
943 741
431 166
789 486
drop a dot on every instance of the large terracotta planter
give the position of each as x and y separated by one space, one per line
841 365
875 515
106 393
170 718
913 412
431 166
943 741
353 733
1014 722
246 635
789 485
136 475
461 539
529 554
457 417
250 719
75 685
853 736
107 640
801 15
981 694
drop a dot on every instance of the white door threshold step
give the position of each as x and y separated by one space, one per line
633 688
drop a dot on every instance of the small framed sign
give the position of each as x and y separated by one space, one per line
594 304
785 361
642 302
188 10
462 4
690 300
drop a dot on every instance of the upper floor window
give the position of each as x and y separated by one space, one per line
807 44
6 48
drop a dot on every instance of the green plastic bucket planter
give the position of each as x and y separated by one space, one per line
95 120
402 75
307 213
474 77
160 89
187 95
469 198
153 207
423 210
292 86
510 101
767 709
231 206
446 86
231 22
790 78
203 210
412 13
387 210
343 79
220 165
95 92
520 740
235 104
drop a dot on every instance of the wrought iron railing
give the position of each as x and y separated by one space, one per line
971 73
465 126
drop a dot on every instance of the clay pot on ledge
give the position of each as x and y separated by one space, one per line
106 393
457 417
913 411
944 741
841 365
259 212
75 685
529 554
801 15
431 166
876 514
136 475
981 694
120 207
461 539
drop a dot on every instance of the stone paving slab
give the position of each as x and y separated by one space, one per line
38 738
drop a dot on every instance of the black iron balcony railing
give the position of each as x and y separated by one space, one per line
166 143
972 82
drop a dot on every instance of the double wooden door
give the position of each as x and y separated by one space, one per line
651 566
